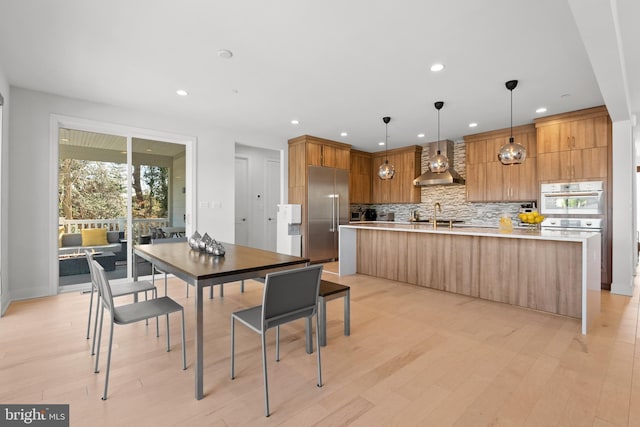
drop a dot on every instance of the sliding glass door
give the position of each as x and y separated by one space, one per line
114 192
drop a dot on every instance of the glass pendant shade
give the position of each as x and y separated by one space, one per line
512 153
438 163
386 170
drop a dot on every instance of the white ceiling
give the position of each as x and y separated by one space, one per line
334 65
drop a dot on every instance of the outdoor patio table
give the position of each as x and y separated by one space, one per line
201 270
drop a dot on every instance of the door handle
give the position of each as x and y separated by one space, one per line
333 214
337 216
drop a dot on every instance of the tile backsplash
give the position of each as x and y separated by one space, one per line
452 198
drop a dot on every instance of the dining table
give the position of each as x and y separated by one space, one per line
200 270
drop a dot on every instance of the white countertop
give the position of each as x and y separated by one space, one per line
471 230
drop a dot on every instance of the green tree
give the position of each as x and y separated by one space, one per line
91 190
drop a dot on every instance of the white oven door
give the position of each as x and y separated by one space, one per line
587 203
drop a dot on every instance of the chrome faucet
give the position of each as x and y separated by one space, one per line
436 207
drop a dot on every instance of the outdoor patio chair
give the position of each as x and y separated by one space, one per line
118 290
131 313
288 295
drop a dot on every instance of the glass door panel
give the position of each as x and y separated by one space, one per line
158 192
92 207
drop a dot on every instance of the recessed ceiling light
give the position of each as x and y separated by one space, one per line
381 143
225 53
421 135
182 92
565 95
123 152
148 150
473 125
541 110
344 134
295 122
64 139
437 67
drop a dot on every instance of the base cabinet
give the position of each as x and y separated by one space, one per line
468 265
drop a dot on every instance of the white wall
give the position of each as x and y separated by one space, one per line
5 294
623 233
29 161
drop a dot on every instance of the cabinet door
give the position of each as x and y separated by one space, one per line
523 181
360 179
590 133
407 170
476 165
589 163
341 158
476 179
495 186
554 166
554 138
314 154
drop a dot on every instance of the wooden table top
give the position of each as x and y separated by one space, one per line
199 265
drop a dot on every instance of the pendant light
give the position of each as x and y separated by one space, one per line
439 163
512 153
386 170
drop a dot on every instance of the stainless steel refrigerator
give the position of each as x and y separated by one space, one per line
328 207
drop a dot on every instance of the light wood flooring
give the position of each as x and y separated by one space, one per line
415 357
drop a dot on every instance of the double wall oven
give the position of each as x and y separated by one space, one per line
576 206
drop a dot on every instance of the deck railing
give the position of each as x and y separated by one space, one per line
141 226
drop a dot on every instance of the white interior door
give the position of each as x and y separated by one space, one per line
272 198
242 201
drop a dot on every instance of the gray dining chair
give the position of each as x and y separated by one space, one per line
131 313
117 289
288 295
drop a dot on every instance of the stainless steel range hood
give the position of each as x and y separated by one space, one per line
450 177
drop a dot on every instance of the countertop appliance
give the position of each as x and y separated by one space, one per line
370 214
328 195
572 198
356 216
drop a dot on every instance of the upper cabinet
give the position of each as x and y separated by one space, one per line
574 146
488 180
324 152
400 189
360 177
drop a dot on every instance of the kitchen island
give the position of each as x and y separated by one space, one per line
552 271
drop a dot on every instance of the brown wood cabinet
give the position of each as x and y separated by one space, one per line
488 180
360 177
400 189
324 152
574 146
